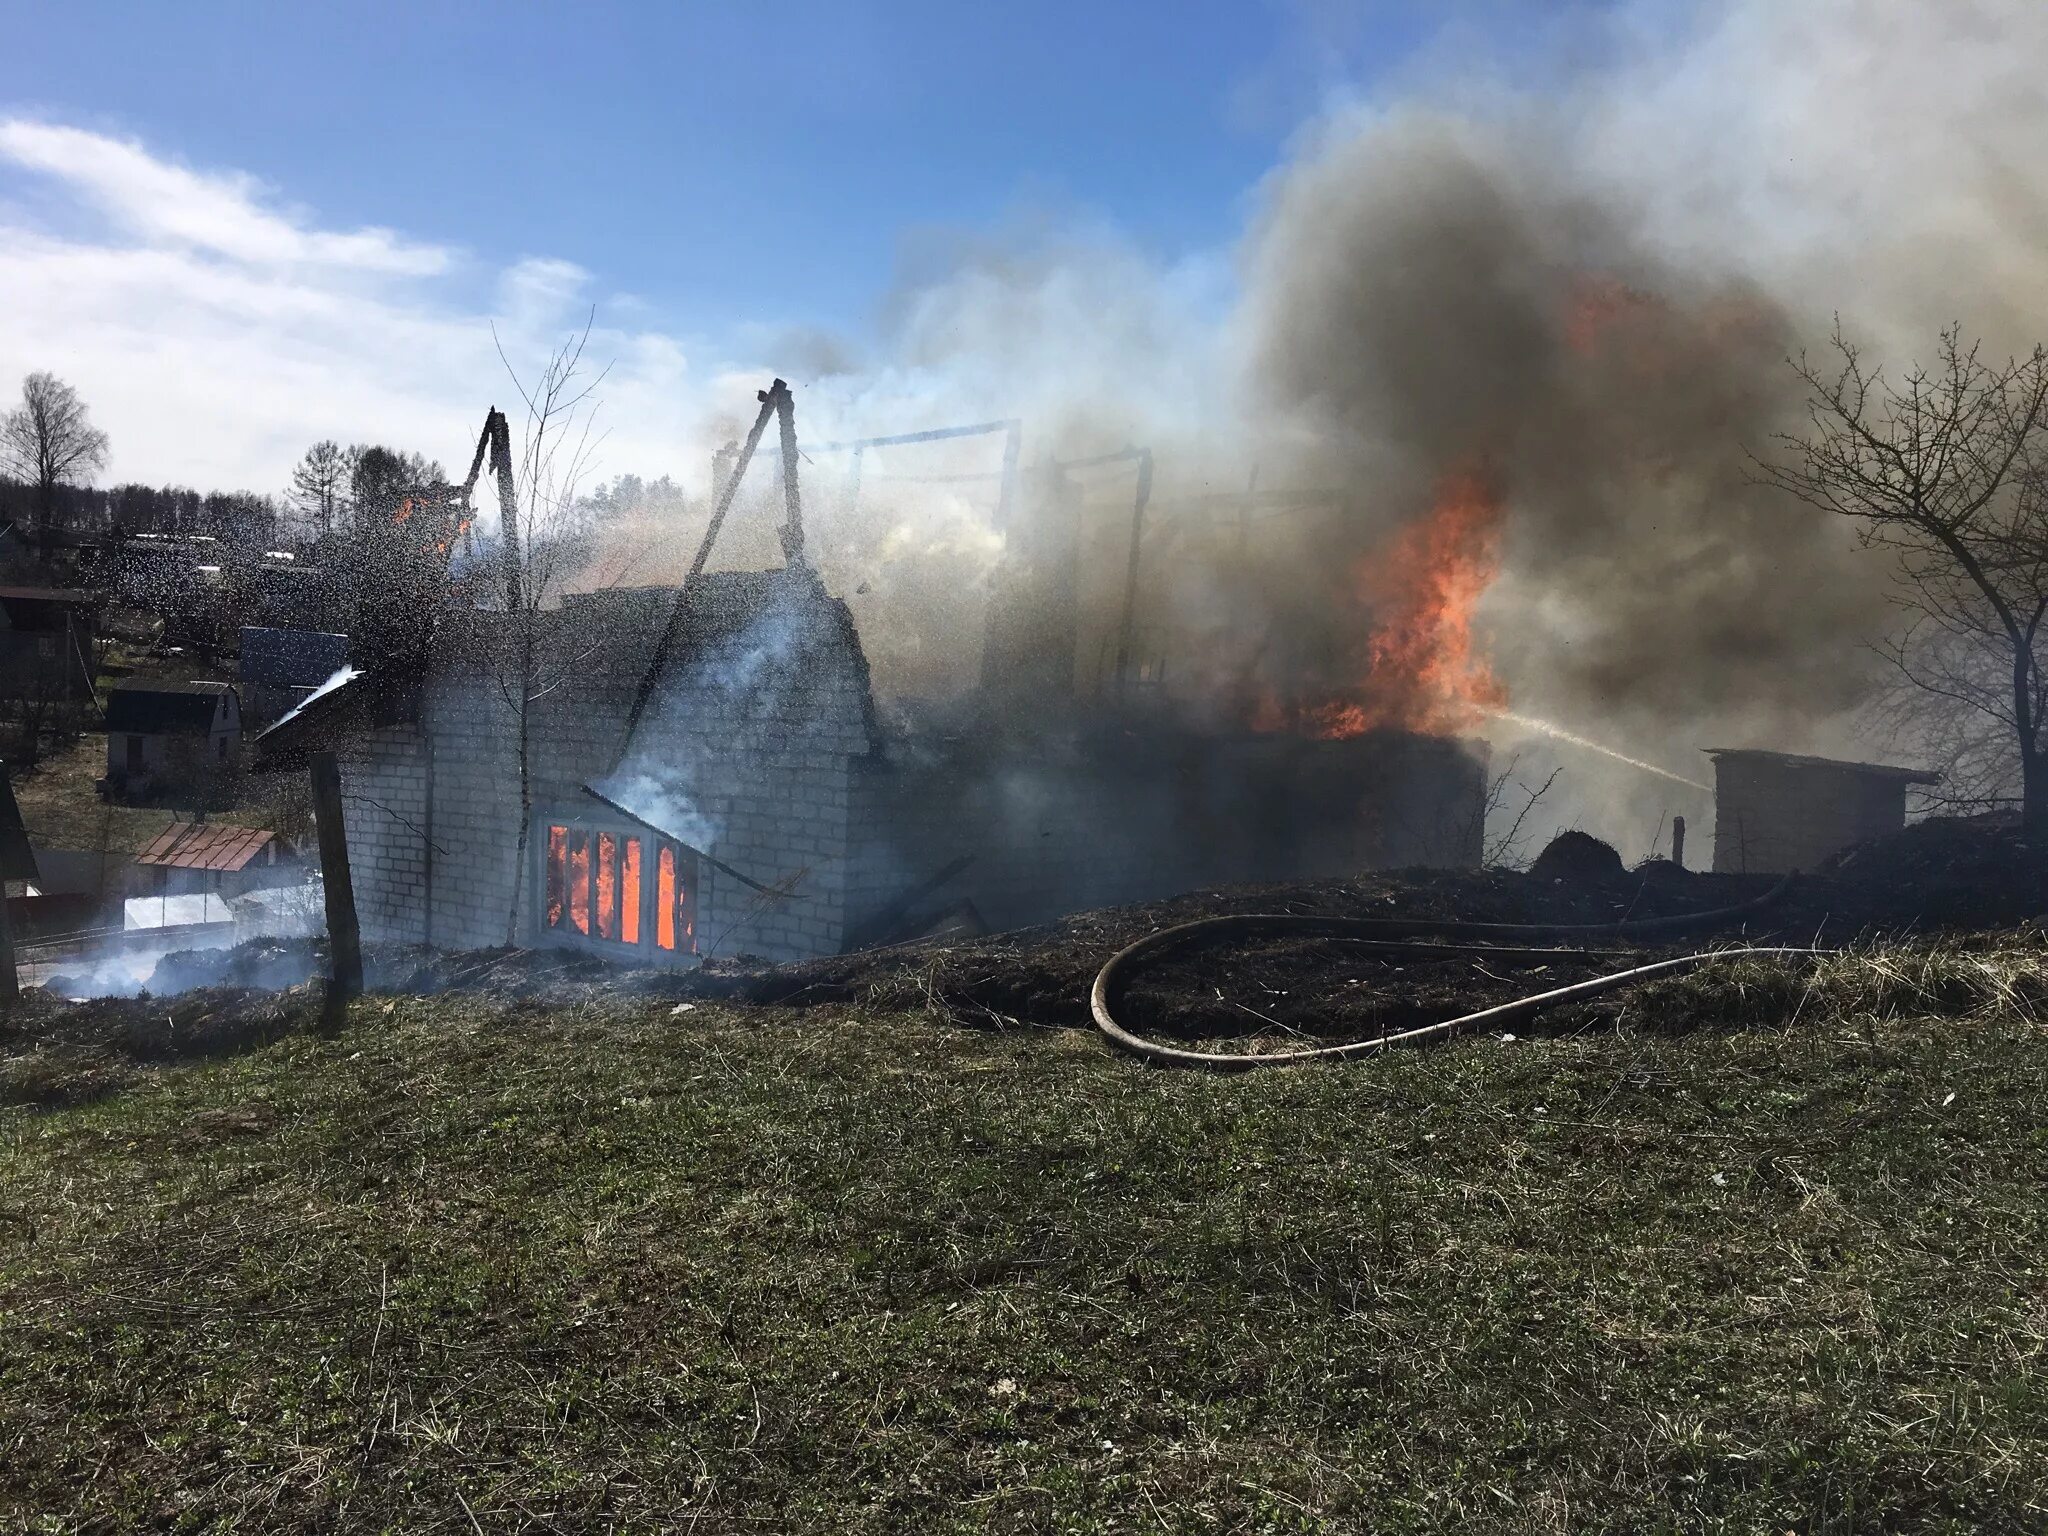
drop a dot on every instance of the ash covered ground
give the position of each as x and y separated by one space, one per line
1937 877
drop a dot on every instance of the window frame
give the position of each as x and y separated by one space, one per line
644 920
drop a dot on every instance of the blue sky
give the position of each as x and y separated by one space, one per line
716 161
239 227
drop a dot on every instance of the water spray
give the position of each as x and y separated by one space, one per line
1545 727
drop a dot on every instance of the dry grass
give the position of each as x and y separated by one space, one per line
61 809
1766 1255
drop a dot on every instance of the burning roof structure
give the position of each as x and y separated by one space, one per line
657 772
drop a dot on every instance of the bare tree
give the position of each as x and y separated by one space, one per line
320 483
545 547
49 440
1946 472
1508 800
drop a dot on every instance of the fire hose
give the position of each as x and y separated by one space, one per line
1413 936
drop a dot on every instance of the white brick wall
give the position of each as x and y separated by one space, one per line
771 779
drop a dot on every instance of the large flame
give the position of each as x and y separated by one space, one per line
1418 667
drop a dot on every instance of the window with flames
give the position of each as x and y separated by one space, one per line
611 886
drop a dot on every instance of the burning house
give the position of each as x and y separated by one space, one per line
660 773
765 806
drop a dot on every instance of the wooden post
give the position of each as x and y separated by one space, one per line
1125 629
344 941
10 981
1678 841
499 430
680 605
792 496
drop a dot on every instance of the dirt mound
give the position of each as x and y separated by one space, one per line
1950 872
1578 856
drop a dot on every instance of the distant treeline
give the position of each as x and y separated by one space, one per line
149 509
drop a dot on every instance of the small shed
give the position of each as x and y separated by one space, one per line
1778 811
193 856
170 737
46 636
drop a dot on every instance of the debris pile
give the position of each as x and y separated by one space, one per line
1948 872
1577 856
1944 874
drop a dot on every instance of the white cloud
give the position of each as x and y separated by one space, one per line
541 287
215 334
221 213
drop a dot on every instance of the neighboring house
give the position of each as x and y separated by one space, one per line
1777 811
46 636
195 857
170 738
279 667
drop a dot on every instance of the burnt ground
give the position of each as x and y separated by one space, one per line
1938 876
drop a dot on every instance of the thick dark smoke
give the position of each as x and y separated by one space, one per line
1428 296
1585 291
1592 293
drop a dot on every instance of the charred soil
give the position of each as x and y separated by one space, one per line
1941 876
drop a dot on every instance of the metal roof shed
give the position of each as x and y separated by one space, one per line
1779 811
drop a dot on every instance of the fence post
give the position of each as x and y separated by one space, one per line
344 939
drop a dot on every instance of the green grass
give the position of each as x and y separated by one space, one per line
475 1267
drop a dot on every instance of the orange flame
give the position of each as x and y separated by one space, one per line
1419 668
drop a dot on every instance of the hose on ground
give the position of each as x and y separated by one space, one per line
1404 934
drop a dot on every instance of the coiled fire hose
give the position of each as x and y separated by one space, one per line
1405 935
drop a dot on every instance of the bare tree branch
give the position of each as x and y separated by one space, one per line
1945 472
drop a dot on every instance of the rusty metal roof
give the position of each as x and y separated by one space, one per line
210 845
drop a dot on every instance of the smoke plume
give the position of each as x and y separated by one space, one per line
1577 290
1591 294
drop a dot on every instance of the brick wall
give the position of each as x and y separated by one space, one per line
436 807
